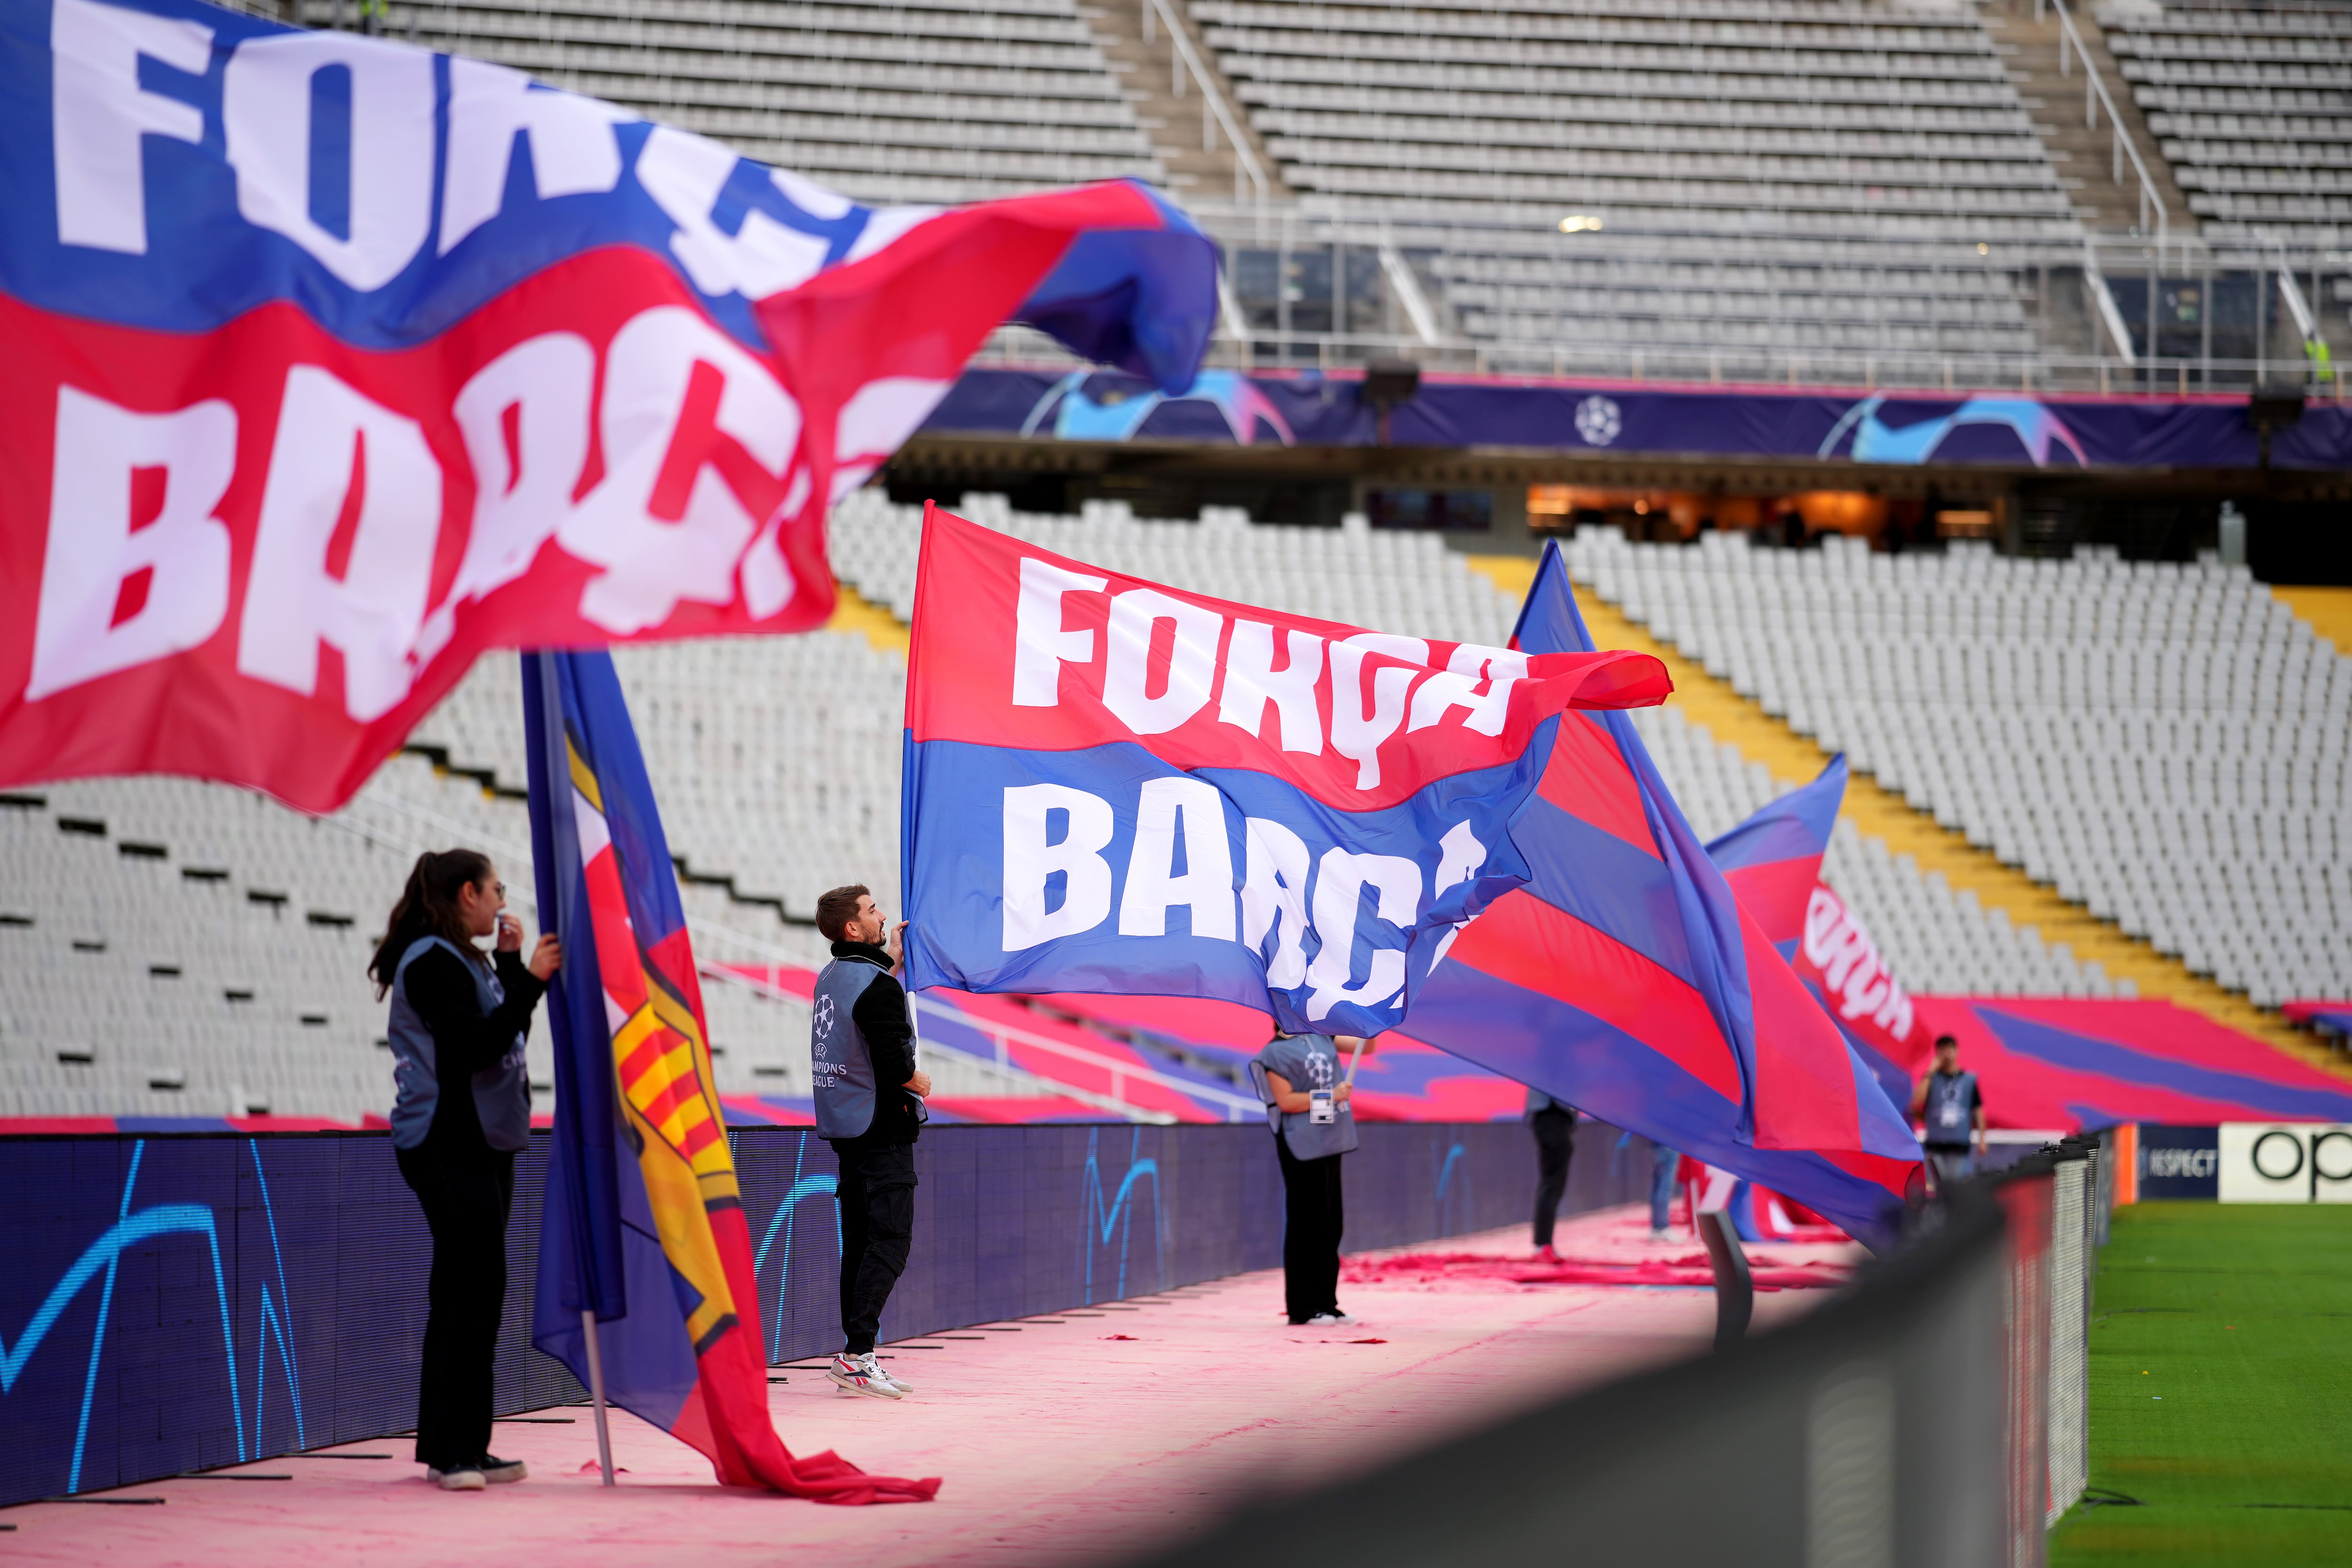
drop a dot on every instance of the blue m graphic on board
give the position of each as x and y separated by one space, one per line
1097 1220
101 1262
815 1184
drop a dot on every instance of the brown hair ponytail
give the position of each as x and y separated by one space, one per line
428 908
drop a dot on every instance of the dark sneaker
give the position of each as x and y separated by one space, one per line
458 1478
500 1472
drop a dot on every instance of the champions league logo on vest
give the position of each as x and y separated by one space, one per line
1949 1102
841 1067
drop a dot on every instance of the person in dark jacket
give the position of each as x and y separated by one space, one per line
869 1107
463 1111
1554 1126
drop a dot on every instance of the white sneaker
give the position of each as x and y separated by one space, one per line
463 1478
900 1384
1329 1320
1660 1238
863 1375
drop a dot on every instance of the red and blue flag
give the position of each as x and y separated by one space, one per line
1625 978
642 1229
1114 786
334 362
1773 864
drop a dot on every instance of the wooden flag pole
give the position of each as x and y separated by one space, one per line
597 1393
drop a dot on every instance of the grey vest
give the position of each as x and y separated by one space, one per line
1950 1102
841 1068
1309 1062
501 1093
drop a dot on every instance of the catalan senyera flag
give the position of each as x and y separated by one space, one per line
643 1228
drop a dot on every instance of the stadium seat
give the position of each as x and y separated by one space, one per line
2252 105
888 103
2164 743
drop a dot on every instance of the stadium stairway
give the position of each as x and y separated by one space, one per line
1879 813
1200 163
2084 156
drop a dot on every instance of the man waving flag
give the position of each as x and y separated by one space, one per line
1625 978
1115 786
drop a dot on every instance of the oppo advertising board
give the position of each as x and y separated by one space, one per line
2285 1162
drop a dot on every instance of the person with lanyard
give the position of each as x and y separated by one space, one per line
1954 1109
869 1107
1307 1105
1554 1126
462 1113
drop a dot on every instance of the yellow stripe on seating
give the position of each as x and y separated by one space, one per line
853 613
2328 609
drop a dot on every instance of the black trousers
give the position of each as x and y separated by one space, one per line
467 1200
876 1194
1555 1133
1314 1217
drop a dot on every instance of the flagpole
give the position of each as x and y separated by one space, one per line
597 1393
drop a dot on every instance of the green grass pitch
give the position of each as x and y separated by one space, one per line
2221 1390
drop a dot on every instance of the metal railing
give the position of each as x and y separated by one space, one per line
2122 371
2094 97
1116 1102
1214 111
2106 314
1003 1036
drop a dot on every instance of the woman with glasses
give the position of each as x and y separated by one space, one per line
463 1112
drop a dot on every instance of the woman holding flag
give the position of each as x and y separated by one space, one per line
459 1022
1307 1105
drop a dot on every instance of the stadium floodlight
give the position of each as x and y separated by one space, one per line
1580 223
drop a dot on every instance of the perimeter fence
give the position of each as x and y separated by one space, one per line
1932 1417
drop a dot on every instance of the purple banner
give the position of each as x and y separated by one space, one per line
1232 408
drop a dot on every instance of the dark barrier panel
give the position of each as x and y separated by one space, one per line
2179 1161
171 1303
1870 1434
1307 408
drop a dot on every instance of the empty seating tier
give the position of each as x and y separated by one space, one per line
901 102
2254 108
175 949
1711 117
2164 743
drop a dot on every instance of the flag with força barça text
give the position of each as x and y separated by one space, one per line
1114 786
1625 978
642 1229
333 362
